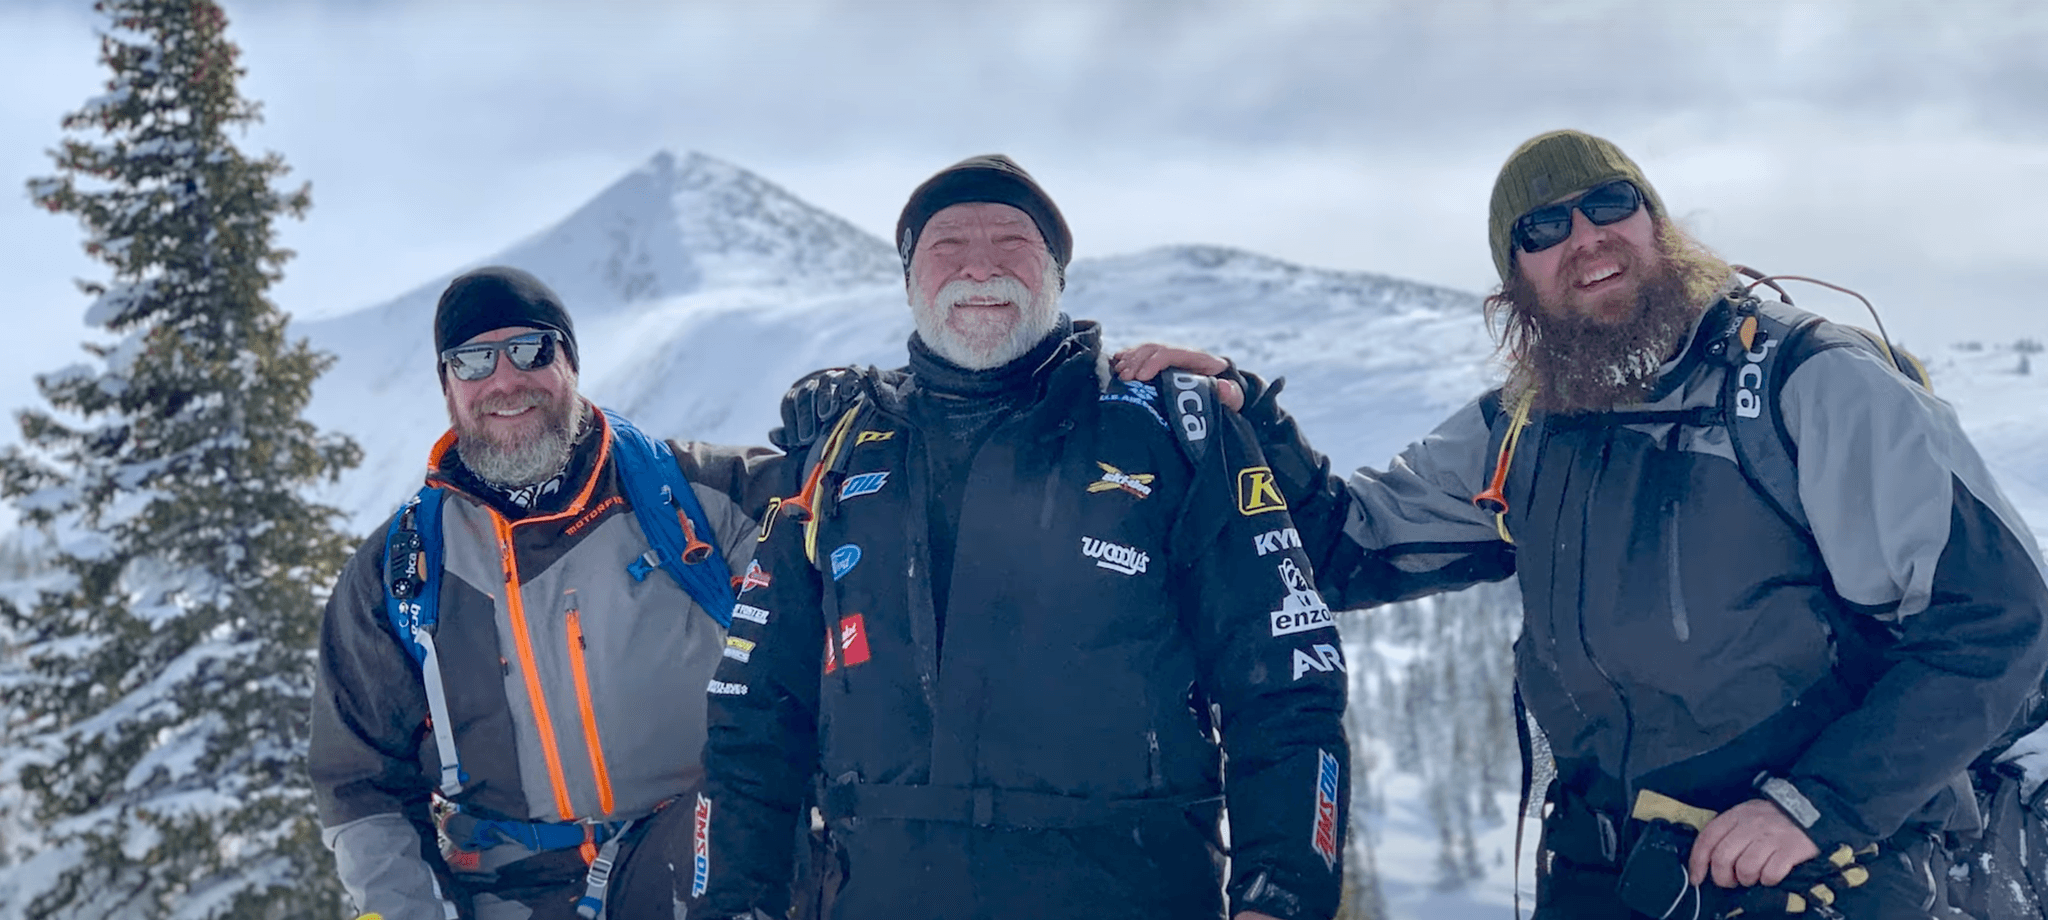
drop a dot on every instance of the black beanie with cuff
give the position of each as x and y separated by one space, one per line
991 178
499 297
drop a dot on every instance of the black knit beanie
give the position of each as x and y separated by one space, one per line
495 298
988 178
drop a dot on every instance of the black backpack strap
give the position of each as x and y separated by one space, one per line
1188 403
1764 343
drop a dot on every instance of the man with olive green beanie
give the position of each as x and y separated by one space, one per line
1809 648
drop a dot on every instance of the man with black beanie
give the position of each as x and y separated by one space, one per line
1013 621
506 760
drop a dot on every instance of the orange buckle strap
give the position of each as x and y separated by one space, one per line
694 550
1494 499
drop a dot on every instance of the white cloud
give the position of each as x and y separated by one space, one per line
1888 145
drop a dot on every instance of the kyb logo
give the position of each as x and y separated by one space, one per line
1302 609
1187 400
1120 559
1273 541
1749 380
1326 659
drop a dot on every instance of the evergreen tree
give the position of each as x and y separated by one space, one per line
158 685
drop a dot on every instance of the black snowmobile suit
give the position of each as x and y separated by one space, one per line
1053 754
1679 634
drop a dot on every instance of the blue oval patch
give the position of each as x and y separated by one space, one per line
844 559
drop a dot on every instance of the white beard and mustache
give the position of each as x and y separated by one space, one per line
523 459
985 343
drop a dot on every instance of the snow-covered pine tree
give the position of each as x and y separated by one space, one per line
158 685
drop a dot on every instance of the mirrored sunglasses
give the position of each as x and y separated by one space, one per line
477 361
1551 224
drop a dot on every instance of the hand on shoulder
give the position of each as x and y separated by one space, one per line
1152 359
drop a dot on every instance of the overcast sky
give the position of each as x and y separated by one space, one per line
1898 148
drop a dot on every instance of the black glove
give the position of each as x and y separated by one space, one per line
1809 891
812 404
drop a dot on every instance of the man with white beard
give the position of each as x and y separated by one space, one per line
1012 622
512 773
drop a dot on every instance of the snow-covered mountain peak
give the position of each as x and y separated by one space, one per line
681 225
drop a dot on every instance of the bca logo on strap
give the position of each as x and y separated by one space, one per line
1187 401
1257 493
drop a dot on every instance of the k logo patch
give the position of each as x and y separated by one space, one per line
1257 492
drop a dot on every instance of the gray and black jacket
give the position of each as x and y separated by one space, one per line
576 691
1682 635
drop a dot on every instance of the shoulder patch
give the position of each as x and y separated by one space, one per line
1131 392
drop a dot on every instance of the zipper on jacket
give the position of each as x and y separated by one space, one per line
1681 621
522 640
577 666
515 604
1628 717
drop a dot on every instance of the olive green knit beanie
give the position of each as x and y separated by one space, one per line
1548 167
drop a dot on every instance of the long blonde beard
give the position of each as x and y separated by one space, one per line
1576 365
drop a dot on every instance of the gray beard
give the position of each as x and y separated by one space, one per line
531 461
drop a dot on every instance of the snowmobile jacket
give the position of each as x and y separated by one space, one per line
1118 620
1679 634
562 675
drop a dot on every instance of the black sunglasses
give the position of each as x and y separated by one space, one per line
1551 224
527 352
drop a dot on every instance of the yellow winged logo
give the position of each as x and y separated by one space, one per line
1138 484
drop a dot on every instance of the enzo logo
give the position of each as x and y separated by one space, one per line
700 848
1187 400
868 437
1326 659
739 649
1273 541
1325 838
1749 380
1122 559
1302 609
1257 493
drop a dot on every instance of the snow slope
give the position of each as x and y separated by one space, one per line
700 291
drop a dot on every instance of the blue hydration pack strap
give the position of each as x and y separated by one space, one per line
681 537
669 514
412 593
